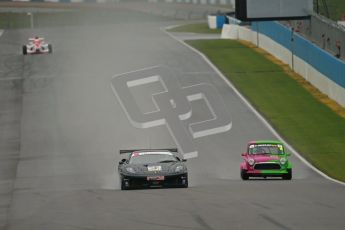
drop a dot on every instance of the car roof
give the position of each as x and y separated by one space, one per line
265 142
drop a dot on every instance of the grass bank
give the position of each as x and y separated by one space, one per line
316 131
336 8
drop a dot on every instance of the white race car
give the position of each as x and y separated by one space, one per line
37 45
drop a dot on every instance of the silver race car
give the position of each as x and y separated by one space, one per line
37 45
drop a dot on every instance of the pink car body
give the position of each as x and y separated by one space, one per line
266 159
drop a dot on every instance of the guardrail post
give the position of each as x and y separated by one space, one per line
292 48
337 44
257 35
31 15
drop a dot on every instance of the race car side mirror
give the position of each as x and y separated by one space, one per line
243 154
122 161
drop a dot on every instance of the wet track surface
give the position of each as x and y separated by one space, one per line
66 127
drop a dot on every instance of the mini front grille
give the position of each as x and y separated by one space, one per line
266 166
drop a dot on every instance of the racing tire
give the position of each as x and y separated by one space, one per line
244 175
50 48
185 185
123 186
288 176
25 52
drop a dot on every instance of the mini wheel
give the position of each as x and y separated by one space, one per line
244 174
288 176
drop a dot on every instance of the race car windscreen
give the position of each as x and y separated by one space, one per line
265 149
151 158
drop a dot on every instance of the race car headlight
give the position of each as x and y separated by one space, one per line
283 161
130 170
179 168
251 161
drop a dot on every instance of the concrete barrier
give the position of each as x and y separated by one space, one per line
221 20
233 20
212 21
342 23
230 31
246 34
216 21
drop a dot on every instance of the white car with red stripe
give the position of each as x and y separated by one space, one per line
37 45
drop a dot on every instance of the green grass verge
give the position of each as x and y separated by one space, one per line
12 20
196 28
336 8
311 127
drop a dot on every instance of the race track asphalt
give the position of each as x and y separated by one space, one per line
70 126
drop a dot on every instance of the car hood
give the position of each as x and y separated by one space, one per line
265 158
153 169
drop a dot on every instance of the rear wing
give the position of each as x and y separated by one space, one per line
135 150
34 39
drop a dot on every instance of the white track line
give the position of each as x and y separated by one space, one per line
1 32
264 121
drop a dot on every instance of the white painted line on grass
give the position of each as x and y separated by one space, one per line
264 121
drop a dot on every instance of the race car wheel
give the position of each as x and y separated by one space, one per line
50 48
124 185
185 183
25 52
244 174
288 176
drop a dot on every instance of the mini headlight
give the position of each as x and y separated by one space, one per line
179 168
251 161
130 170
283 161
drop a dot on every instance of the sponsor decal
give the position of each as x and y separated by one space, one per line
154 168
